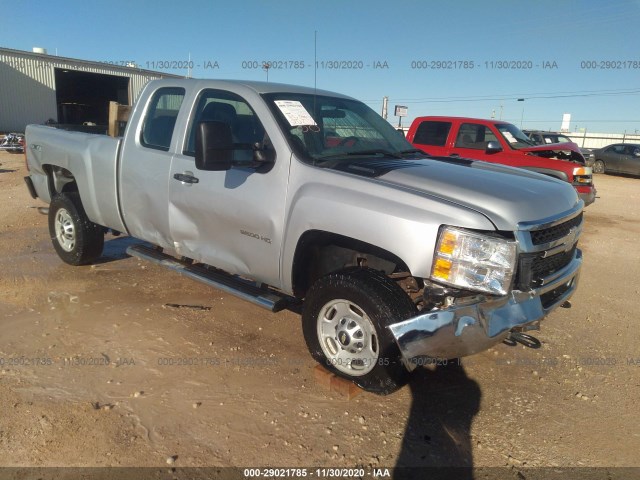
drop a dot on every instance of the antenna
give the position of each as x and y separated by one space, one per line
315 69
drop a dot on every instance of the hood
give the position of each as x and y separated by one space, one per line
552 146
505 195
557 150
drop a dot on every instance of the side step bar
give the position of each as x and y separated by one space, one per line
245 289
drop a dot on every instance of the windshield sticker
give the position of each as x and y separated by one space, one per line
510 138
295 113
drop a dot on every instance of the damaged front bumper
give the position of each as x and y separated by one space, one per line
588 196
470 328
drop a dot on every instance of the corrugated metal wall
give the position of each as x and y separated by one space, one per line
27 85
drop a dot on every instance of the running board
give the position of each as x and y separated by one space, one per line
245 289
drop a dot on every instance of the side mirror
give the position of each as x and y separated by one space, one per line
261 155
214 146
493 147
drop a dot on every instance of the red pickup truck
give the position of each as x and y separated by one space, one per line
501 142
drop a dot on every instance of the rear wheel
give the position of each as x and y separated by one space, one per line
76 239
598 166
345 321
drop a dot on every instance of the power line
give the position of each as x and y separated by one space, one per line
487 98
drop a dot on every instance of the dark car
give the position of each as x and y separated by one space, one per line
542 138
618 158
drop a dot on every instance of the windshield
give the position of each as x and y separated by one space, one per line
320 128
514 136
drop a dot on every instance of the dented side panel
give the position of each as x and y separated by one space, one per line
85 159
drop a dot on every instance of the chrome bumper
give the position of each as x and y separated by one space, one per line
467 329
588 198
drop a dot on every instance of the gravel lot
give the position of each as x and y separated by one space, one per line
97 370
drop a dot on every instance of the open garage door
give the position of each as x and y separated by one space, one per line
83 97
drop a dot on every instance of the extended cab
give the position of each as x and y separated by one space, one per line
501 142
287 195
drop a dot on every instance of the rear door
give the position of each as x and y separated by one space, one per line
144 171
431 136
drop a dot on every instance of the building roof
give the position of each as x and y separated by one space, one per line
90 63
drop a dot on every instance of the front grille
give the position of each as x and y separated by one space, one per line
552 296
542 267
533 268
539 237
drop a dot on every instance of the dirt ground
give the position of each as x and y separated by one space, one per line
98 370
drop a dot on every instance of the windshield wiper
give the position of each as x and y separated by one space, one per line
411 151
377 151
358 153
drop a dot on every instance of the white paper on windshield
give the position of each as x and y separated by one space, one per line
510 138
295 113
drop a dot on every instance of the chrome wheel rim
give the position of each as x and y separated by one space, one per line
598 167
348 338
65 230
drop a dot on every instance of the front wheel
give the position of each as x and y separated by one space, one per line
598 166
76 239
345 320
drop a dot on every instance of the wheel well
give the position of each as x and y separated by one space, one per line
60 180
319 253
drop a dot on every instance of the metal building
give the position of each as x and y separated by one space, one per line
36 88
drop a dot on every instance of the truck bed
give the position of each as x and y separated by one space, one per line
91 158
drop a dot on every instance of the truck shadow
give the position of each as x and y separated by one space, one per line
437 439
116 249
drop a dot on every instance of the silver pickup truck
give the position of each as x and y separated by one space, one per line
290 196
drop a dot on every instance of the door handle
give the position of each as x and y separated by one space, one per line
454 155
186 178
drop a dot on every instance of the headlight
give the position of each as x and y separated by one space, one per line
474 261
582 176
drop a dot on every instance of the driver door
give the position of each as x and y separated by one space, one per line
471 142
231 219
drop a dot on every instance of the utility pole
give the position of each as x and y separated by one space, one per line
266 66
522 115
385 107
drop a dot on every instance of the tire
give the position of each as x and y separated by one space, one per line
598 166
76 239
344 321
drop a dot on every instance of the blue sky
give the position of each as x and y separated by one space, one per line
579 42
